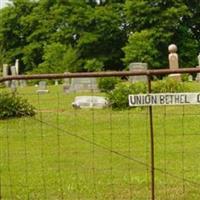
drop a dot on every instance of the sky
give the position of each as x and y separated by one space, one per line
3 3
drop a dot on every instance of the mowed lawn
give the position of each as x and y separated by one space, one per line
67 153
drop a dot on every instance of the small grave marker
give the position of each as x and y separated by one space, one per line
42 88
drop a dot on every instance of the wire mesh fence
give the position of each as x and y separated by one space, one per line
68 153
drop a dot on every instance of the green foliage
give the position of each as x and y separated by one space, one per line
93 65
185 77
108 83
168 85
12 105
164 22
141 48
118 97
53 58
29 29
50 36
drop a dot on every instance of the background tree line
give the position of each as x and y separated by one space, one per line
91 35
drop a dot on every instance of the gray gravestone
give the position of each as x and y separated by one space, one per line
83 84
66 84
13 86
198 74
42 88
90 102
135 67
6 73
14 73
22 83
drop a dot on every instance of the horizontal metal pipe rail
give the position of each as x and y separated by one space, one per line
150 72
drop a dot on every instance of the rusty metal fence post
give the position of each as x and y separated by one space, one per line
152 163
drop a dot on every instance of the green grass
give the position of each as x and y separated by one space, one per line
64 153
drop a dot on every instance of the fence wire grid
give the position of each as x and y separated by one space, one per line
87 154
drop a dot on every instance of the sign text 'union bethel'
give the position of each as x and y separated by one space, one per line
164 99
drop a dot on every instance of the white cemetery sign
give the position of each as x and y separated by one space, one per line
160 99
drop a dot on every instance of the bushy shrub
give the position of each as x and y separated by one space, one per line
168 85
108 83
118 97
185 77
12 105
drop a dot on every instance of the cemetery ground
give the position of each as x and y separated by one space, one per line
67 153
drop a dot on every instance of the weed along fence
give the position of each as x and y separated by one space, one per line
85 140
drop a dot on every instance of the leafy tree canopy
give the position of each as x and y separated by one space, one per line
50 36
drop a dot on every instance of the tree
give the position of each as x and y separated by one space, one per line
13 33
193 20
165 22
141 48
89 35
92 31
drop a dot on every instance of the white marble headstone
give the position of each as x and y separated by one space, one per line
198 74
90 102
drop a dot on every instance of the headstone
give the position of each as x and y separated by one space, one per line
198 74
13 86
90 102
42 88
22 83
173 60
14 73
66 84
135 67
83 84
190 78
17 66
56 82
199 60
6 73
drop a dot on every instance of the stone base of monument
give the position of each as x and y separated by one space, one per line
175 76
